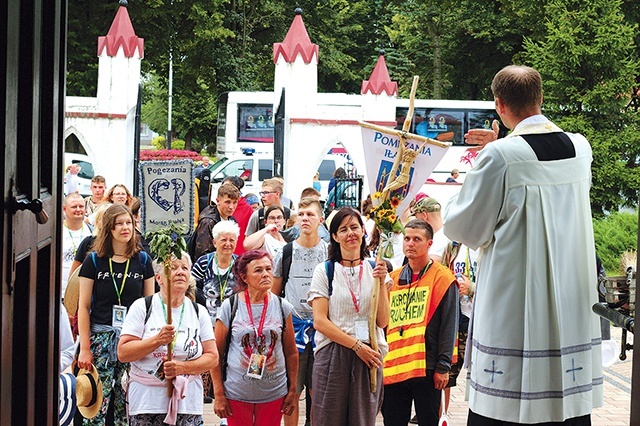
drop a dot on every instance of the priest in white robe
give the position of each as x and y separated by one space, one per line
535 344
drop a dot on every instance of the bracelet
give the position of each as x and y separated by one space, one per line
354 345
359 346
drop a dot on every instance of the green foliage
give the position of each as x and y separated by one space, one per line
160 142
167 242
613 235
588 65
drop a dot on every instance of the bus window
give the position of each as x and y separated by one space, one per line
481 119
255 123
265 169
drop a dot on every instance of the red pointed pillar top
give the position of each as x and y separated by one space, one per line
122 34
380 81
296 42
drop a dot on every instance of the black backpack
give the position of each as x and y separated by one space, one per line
204 189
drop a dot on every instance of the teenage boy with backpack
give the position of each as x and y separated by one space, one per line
293 270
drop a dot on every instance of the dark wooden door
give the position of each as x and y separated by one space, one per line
32 71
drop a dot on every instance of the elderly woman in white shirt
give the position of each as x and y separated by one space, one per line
143 343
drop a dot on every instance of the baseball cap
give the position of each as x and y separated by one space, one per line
427 205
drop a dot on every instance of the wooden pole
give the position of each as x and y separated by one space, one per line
167 275
373 327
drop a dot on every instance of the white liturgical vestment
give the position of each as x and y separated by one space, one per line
535 343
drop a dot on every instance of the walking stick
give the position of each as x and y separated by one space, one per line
167 274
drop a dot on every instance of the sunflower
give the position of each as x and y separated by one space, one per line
395 202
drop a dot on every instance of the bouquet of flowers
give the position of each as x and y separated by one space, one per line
387 221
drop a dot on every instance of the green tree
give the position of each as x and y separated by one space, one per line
86 21
588 64
615 234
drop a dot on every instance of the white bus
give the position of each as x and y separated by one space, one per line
245 119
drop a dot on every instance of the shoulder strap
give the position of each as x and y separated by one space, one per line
93 257
195 306
209 258
234 308
328 267
143 258
260 218
287 254
147 302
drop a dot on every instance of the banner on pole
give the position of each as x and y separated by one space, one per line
382 148
166 194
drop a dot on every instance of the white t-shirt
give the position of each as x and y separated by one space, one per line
193 329
440 242
303 262
272 245
70 242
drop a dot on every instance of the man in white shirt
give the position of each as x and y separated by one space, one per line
534 342
74 230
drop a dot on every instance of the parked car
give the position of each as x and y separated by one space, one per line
86 171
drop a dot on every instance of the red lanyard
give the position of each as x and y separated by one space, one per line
263 316
354 299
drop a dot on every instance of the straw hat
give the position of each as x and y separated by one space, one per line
88 392
72 293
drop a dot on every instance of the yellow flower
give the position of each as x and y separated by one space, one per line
376 195
393 218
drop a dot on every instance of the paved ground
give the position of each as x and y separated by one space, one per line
615 412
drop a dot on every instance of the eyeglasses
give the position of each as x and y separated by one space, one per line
275 217
265 193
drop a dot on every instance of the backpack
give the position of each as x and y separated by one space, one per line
203 185
148 300
329 269
234 308
261 224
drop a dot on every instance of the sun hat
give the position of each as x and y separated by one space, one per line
72 293
427 205
88 392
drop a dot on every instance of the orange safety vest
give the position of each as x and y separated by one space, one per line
411 310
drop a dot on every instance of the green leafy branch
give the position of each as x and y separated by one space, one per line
168 241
